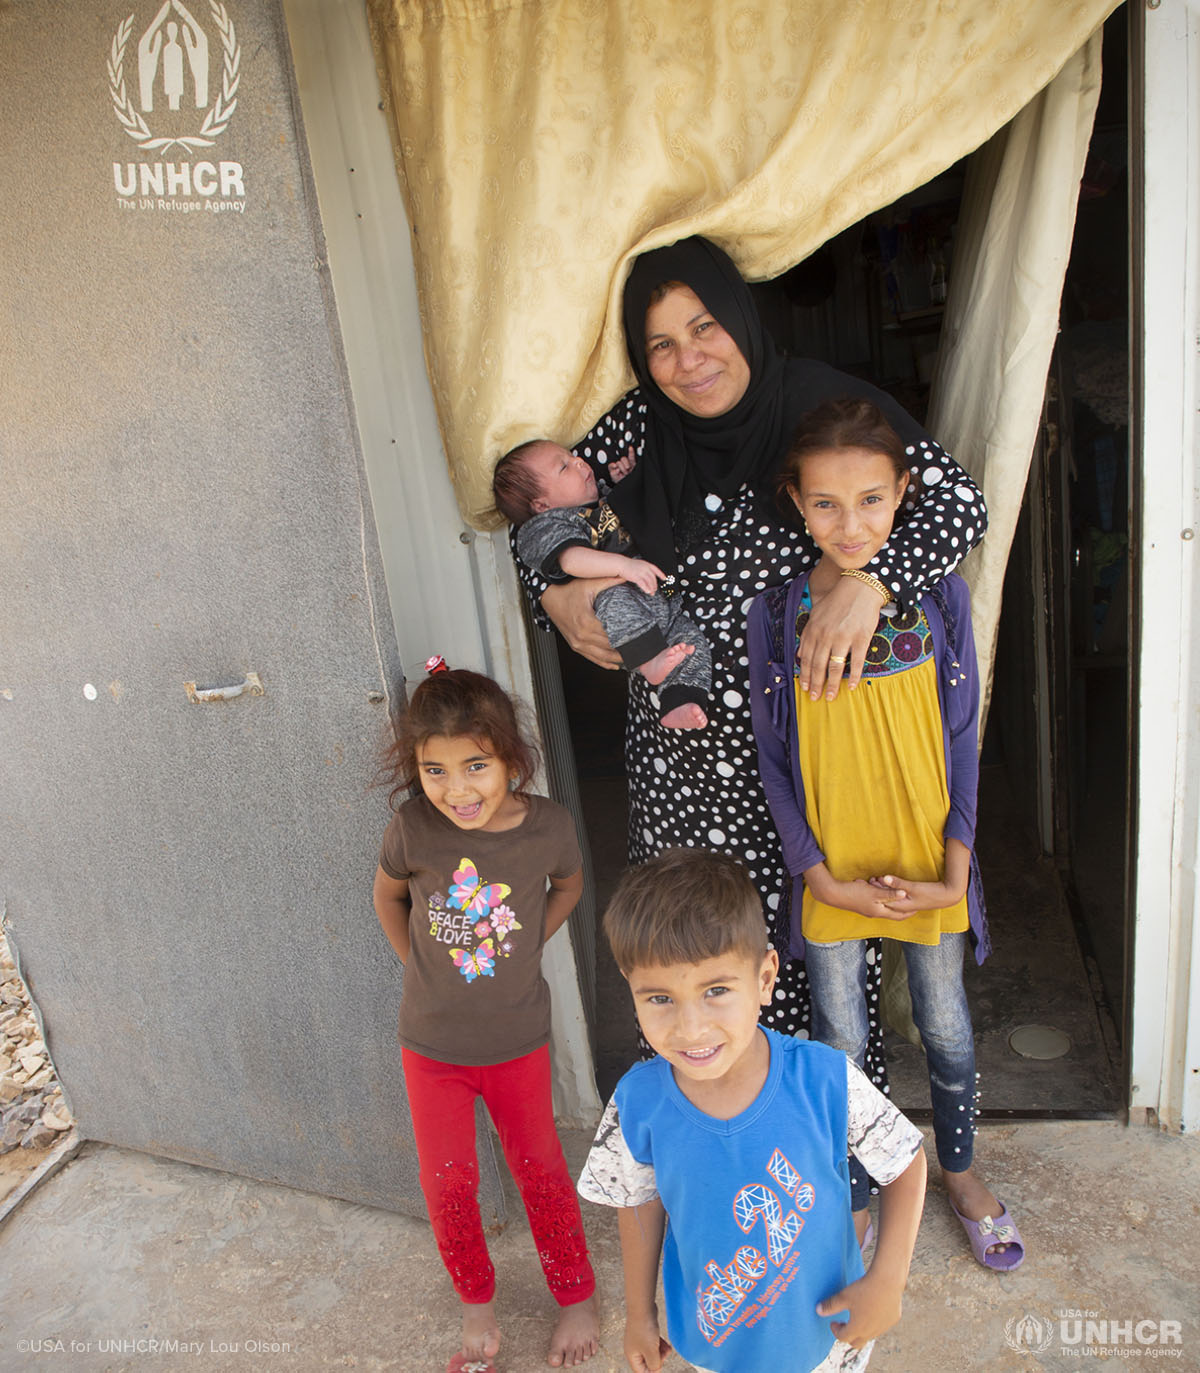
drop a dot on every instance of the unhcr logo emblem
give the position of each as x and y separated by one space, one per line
178 88
174 78
1030 1334
1086 1334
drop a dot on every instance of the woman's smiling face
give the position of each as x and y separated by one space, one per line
692 359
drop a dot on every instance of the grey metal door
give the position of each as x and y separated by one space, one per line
186 875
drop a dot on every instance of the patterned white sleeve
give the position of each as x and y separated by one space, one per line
612 1176
884 1141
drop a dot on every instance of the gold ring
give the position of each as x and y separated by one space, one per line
833 658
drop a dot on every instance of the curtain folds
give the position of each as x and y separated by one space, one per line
1011 251
543 142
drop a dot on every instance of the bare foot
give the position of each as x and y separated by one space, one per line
657 669
688 716
480 1332
974 1200
576 1335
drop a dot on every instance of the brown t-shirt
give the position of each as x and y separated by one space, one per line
473 987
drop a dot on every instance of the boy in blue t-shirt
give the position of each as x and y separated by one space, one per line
727 1153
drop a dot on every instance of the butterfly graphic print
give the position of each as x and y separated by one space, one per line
467 893
480 963
484 916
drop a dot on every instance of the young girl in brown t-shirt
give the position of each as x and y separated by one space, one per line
471 854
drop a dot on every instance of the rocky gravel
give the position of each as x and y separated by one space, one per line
33 1114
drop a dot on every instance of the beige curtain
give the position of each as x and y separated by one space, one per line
1011 254
1011 251
542 142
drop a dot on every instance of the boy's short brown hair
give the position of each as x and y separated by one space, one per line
683 906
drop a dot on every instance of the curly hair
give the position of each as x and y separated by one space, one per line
455 703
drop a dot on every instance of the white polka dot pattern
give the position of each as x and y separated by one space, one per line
701 788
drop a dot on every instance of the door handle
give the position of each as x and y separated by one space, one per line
202 696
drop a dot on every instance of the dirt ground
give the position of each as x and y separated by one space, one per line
16 1166
120 1260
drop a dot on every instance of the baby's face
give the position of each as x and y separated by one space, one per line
563 479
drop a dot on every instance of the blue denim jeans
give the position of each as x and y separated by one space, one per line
837 978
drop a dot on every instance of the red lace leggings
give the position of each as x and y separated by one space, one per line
441 1098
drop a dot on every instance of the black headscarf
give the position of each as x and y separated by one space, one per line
686 457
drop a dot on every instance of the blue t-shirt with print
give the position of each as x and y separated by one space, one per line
759 1228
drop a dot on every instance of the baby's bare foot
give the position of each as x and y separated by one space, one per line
576 1335
480 1332
659 668
688 716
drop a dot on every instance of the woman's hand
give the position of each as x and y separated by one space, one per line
839 627
569 607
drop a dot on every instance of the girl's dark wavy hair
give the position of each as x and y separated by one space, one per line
851 422
454 703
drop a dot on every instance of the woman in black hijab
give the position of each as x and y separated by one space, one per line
713 412
689 455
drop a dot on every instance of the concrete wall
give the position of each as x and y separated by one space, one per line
188 885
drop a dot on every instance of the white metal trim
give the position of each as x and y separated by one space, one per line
452 590
1165 987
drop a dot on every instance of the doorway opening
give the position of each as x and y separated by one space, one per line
1054 807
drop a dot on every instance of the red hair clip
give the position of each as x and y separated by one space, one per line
436 664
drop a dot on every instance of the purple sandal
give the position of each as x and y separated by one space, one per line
985 1232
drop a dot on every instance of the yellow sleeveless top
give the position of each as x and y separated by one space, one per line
876 797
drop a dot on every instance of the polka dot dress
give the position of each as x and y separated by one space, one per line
701 788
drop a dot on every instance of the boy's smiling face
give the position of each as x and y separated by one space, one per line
703 1019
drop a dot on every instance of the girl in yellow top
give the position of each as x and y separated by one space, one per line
873 790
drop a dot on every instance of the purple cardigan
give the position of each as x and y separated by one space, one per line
773 712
